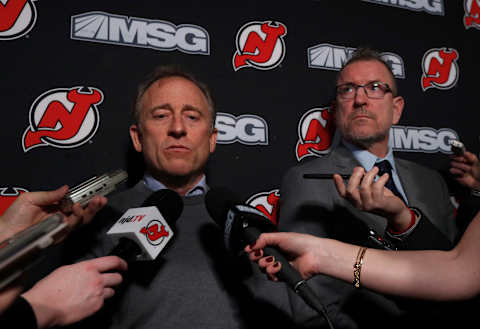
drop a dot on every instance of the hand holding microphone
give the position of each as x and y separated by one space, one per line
465 166
36 220
31 208
302 250
243 225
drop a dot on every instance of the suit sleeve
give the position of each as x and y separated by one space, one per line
425 236
427 191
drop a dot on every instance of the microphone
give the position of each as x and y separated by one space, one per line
243 225
142 233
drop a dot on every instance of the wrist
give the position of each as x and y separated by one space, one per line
43 313
409 219
335 259
399 221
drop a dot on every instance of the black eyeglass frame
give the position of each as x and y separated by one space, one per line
384 86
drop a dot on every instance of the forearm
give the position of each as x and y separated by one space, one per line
436 275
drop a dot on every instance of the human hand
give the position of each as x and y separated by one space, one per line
366 194
74 292
302 250
466 169
32 207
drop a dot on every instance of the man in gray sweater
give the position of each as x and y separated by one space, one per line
193 283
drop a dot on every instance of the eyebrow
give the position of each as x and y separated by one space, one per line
189 107
167 106
353 83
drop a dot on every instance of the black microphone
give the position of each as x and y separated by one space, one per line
142 233
243 225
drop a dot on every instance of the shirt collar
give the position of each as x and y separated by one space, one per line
367 159
155 185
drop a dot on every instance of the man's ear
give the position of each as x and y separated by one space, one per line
398 104
136 137
213 139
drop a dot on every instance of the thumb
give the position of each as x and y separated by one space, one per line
45 198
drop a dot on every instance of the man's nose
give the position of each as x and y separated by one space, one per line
360 95
177 127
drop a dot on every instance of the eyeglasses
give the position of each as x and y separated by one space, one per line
374 89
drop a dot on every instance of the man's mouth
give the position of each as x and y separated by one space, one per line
177 148
361 116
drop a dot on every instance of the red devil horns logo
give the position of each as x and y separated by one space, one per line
17 18
64 118
260 45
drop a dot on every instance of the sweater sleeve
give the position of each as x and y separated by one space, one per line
19 315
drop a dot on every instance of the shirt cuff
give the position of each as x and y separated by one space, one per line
416 217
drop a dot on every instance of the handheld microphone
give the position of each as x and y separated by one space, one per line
142 233
97 185
457 147
243 225
27 248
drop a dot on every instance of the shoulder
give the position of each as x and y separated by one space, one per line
336 161
131 197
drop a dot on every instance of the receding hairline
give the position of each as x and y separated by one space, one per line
162 80
205 92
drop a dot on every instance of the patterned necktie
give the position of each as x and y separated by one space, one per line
385 167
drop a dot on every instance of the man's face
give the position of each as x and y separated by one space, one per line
175 131
362 120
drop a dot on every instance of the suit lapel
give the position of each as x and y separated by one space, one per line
410 184
343 160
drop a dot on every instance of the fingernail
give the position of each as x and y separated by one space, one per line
258 253
277 264
269 259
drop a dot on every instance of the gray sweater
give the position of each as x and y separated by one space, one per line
193 283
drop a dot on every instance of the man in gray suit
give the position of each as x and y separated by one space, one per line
366 106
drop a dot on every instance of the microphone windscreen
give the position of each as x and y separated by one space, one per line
168 202
218 202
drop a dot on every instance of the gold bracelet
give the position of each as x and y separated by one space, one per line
357 268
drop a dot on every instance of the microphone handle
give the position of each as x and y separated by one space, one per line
126 249
289 275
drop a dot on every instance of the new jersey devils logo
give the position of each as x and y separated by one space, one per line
63 118
440 69
260 45
17 18
8 196
267 203
155 232
316 133
472 14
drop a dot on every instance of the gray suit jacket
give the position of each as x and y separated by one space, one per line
314 206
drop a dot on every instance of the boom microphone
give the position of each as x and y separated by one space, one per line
143 232
243 225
